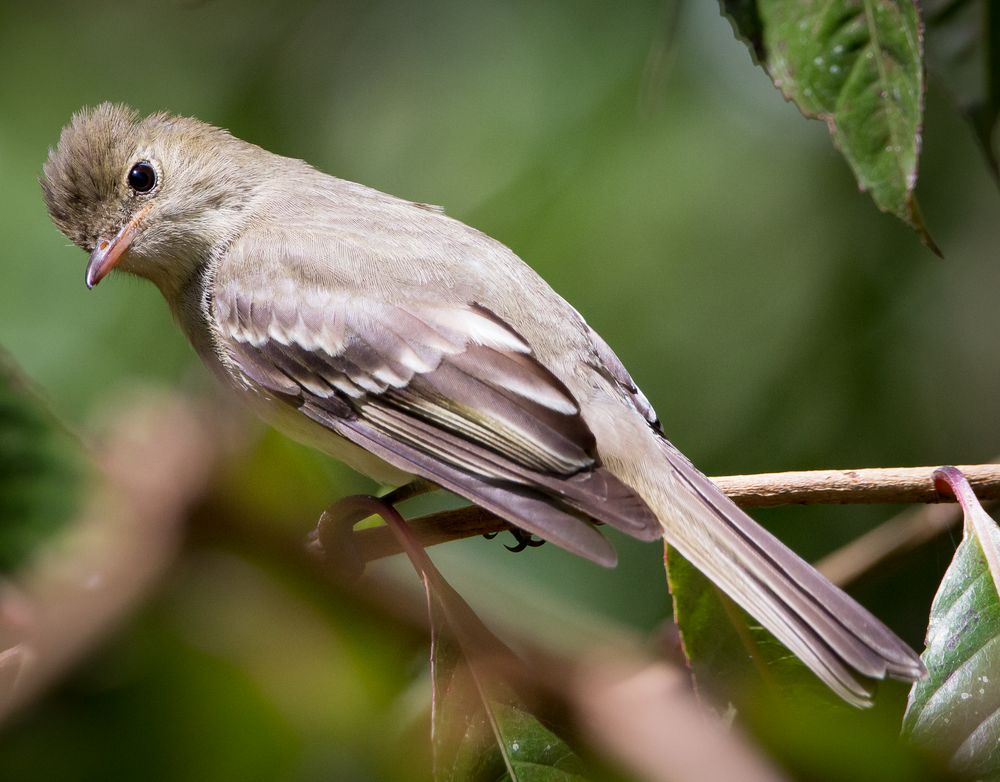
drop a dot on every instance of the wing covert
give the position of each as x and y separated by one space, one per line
449 392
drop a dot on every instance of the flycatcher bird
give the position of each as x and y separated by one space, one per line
408 344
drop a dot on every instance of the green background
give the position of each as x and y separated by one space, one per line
633 155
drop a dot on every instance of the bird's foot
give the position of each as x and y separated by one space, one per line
522 539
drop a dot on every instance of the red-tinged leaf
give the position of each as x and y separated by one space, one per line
956 708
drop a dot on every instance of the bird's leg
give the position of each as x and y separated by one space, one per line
418 486
408 491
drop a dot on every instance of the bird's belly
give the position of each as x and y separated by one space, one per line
288 420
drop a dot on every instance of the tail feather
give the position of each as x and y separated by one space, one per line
834 635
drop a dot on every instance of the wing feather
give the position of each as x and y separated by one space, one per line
451 393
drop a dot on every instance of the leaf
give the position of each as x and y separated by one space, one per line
154 463
857 65
40 471
790 713
963 47
747 25
956 708
481 729
733 659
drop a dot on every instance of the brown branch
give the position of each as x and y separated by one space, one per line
865 486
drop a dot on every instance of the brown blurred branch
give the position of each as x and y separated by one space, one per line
865 486
901 534
157 458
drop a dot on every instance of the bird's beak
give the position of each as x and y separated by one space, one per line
108 252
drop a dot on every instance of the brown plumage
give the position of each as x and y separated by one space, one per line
409 344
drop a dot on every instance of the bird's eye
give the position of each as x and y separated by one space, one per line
142 177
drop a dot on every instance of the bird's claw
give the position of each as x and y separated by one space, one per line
522 540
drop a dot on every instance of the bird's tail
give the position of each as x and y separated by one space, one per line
844 644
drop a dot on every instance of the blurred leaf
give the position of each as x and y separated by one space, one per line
963 44
833 745
956 708
480 731
732 657
481 728
228 727
857 65
40 470
794 717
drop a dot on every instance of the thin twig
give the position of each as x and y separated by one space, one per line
865 486
869 486
901 534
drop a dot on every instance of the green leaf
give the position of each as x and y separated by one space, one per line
481 728
956 708
857 65
747 25
40 471
733 659
485 734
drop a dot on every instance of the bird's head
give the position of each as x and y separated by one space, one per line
152 196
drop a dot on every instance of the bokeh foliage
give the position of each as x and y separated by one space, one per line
636 158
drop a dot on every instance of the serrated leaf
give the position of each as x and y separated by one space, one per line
956 708
732 657
40 471
747 25
857 65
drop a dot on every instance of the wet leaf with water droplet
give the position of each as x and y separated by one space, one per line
857 65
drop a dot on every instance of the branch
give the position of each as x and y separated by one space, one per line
766 490
879 485
892 539
156 460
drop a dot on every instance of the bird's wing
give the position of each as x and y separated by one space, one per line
448 392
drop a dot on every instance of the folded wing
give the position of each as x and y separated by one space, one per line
447 392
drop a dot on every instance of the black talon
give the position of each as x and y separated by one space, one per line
524 540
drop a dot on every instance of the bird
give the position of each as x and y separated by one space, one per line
410 345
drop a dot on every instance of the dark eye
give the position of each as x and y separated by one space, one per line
142 177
